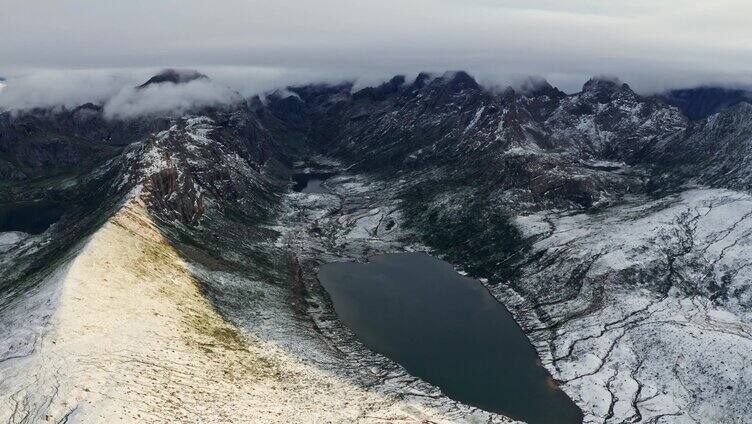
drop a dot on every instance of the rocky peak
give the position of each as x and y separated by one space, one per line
421 80
603 82
459 80
174 76
536 87
604 89
88 107
382 91
612 93
738 116
454 81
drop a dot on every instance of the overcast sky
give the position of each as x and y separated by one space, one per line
650 44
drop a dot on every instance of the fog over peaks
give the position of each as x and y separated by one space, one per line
64 52
167 96
652 45
130 92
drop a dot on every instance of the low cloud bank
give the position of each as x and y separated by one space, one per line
651 45
53 88
159 98
115 89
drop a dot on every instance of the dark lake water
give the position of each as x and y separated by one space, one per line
448 330
29 217
310 183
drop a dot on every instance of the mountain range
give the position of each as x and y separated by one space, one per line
175 279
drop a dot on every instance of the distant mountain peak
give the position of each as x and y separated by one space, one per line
701 102
456 80
380 92
174 76
422 80
88 107
536 86
605 82
460 80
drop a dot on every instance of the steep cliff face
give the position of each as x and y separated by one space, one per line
43 143
613 226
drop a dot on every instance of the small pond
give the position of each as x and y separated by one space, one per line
310 182
448 330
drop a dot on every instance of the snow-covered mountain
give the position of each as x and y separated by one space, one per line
179 283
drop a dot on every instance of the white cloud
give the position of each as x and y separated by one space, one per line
131 102
115 89
649 44
253 45
47 88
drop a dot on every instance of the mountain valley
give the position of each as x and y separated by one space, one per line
176 277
